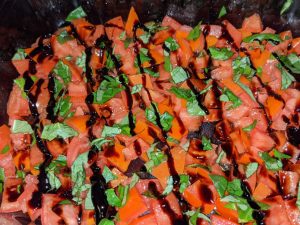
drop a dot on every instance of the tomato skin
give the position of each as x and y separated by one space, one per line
10 195
49 217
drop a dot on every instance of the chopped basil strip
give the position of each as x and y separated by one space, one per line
156 157
242 66
20 54
271 163
195 32
285 7
171 44
247 90
110 131
21 127
179 75
184 182
298 196
194 215
220 184
63 106
63 37
167 65
5 149
81 61
99 142
107 90
63 71
106 222
222 12
76 14
280 155
291 61
234 187
286 77
229 96
58 130
53 180
88 203
251 169
220 53
136 88
2 178
186 94
165 118
250 127
145 37
169 186
134 180
65 202
117 200
261 37
206 143
194 109
108 175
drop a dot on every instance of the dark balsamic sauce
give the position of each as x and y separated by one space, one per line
52 101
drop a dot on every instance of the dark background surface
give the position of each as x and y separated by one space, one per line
23 21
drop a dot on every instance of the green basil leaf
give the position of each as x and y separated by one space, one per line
291 61
206 143
251 169
280 155
19 55
167 65
156 156
134 180
195 32
81 61
63 37
171 44
124 126
107 90
154 27
5 149
250 127
244 212
108 175
220 156
183 93
261 37
2 178
242 66
184 182
145 37
110 131
247 90
286 77
259 71
220 53
56 164
106 222
151 72
88 203
194 109
122 35
271 163
65 202
127 42
230 96
63 71
76 14
220 184
298 196
53 180
58 86
20 174
21 127
112 198
234 187
58 130
285 7
166 120
136 88
63 106
222 12
194 215
99 142
109 62
179 75
143 54
169 186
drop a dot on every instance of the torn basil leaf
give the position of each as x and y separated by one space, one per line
195 32
184 182
179 75
230 96
251 169
220 184
171 44
136 88
169 186
234 187
99 142
108 175
76 14
286 77
220 53
183 93
106 222
81 61
194 109
280 155
250 127
222 12
165 118
261 37
19 55
63 71
270 162
63 37
53 180
285 7
242 66
206 143
58 130
110 131
21 127
5 149
291 61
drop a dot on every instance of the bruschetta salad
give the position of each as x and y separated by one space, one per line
156 123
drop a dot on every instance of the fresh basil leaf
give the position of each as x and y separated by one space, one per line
56 164
156 157
171 44
169 186
247 90
20 174
153 27
63 71
53 180
76 14
127 42
63 106
88 203
151 72
220 156
251 169
195 33
81 61
179 74
58 86
167 65
205 89
65 202
250 127
259 71
110 131
165 118
21 127
2 178
271 163
171 139
280 155
206 143
63 37
134 180
291 61
286 77
261 37
183 93
194 109
19 55
143 54
184 182
222 12
99 142
107 90
149 194
106 222
56 130
124 126
220 184
242 66
109 62
194 215
230 96
220 53
108 175
244 212
113 199
5 149
145 37
285 7
197 165
78 177
234 187
136 88
122 35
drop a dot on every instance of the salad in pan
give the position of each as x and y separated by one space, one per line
156 123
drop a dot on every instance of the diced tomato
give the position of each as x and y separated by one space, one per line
78 145
253 24
10 195
49 217
17 105
218 220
